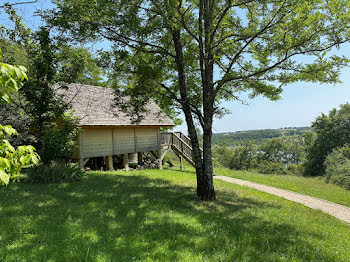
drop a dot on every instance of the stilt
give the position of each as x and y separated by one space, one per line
109 163
160 160
125 161
95 162
181 163
139 158
81 163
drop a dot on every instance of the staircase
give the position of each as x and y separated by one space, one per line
180 144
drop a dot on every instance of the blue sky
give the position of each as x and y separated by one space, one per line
301 103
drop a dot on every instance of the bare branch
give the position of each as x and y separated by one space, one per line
18 3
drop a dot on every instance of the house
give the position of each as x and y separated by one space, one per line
107 130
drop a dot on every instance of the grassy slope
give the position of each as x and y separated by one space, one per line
316 187
154 216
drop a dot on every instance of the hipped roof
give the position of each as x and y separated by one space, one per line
95 106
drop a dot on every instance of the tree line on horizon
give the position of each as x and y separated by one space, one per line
259 135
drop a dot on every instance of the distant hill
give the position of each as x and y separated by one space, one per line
236 138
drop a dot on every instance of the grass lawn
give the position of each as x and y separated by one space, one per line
316 187
153 215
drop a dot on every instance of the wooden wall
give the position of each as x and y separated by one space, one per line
106 141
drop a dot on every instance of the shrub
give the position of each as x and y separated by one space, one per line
295 169
59 139
337 166
244 156
54 172
222 156
268 167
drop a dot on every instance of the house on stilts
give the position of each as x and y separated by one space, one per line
107 131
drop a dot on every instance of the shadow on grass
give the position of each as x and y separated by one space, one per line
133 217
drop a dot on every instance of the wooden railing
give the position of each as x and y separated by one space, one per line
180 143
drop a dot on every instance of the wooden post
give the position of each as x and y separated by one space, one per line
139 158
126 161
181 163
160 160
160 150
109 163
80 148
81 163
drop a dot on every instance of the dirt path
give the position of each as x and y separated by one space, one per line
336 210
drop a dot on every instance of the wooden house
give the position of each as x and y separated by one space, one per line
107 130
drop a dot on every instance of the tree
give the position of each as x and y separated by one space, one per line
78 65
331 131
192 55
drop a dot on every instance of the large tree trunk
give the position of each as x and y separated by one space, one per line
205 187
206 191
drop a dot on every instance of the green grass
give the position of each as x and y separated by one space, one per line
316 187
154 216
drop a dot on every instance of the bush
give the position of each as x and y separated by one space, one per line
222 156
54 172
267 167
59 139
337 166
244 156
295 169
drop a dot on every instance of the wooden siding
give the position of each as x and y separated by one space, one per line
96 142
146 139
124 140
106 141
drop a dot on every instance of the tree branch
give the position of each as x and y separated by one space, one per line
18 3
126 41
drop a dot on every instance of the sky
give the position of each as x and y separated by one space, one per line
301 102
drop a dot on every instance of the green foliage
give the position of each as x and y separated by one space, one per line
14 114
337 167
331 131
244 157
273 150
77 65
59 139
278 150
11 78
267 167
12 159
295 169
222 156
273 156
13 53
54 172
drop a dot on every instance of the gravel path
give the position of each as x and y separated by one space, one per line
336 210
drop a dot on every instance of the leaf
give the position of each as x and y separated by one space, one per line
6 161
22 159
4 178
35 159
